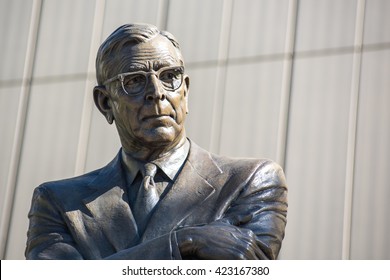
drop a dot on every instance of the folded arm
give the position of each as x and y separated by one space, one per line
252 228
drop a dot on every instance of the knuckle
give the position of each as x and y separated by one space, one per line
241 256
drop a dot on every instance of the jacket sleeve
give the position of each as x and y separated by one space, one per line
262 208
49 237
160 248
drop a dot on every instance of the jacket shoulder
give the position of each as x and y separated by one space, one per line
64 194
264 169
69 183
82 181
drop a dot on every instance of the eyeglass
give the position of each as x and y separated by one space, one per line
134 83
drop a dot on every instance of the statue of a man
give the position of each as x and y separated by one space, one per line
162 196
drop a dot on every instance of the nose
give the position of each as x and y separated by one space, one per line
154 89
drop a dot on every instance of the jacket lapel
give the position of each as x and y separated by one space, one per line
191 188
110 208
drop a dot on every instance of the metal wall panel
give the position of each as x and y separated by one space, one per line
49 150
258 28
251 110
104 142
64 39
324 24
128 11
9 98
316 157
371 208
14 24
377 22
196 24
201 103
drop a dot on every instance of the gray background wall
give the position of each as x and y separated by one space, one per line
303 82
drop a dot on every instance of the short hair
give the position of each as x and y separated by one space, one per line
125 35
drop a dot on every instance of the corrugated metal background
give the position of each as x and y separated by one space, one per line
303 82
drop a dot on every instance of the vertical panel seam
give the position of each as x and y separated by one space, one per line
86 113
352 128
162 14
286 83
13 171
219 97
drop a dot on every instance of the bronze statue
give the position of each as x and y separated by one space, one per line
162 196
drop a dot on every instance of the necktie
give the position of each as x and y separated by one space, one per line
147 197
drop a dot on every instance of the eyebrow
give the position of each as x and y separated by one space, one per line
161 63
137 66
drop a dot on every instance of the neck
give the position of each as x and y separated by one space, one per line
149 153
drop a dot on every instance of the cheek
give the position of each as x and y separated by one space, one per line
125 114
179 103
119 111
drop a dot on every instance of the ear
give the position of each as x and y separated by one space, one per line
103 102
186 91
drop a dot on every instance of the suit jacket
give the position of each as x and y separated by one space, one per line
89 217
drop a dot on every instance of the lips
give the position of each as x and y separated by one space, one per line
158 117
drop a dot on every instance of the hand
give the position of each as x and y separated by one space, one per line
218 241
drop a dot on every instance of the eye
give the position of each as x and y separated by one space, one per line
170 75
133 80
133 83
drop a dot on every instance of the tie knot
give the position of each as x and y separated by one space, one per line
150 169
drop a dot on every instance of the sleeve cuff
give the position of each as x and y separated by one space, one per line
175 246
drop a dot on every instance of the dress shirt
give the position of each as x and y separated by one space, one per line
168 168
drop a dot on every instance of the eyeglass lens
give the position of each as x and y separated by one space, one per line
171 79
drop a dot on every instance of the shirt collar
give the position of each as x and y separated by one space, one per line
170 163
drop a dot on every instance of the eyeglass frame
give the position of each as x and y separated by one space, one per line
121 77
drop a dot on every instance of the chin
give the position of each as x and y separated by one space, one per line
160 136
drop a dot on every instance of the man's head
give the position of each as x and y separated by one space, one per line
142 87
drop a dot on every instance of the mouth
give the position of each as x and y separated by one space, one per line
158 117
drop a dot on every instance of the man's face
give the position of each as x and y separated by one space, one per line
155 117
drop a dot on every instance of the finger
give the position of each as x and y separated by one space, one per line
240 219
232 253
252 250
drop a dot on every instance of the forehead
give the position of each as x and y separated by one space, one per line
155 53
